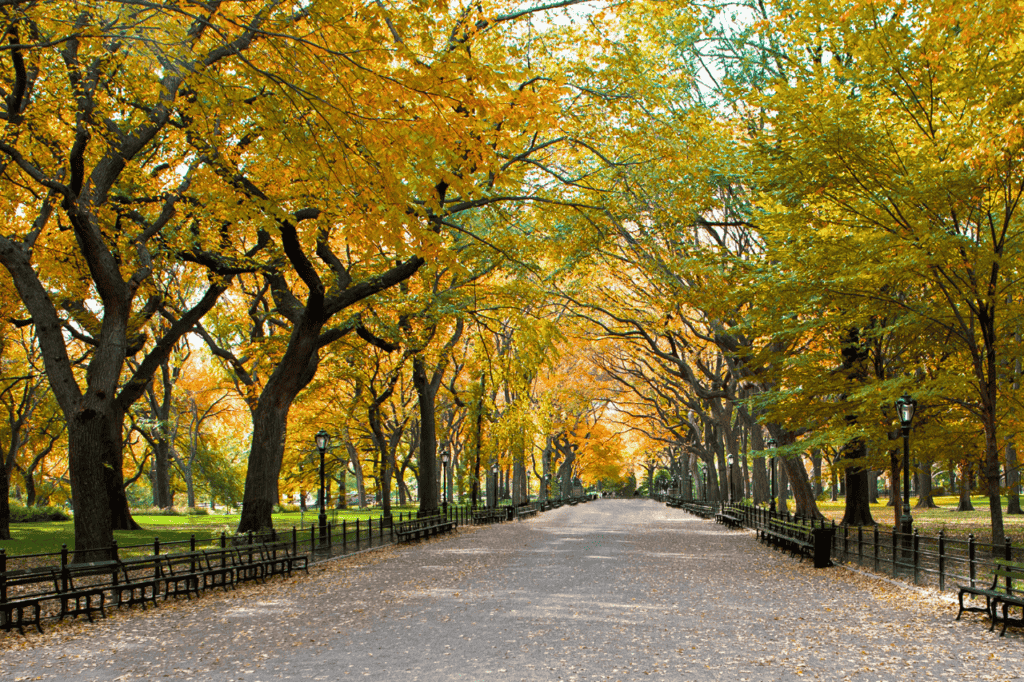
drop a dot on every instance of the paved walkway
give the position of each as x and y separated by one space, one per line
611 590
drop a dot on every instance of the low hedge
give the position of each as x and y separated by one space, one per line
22 514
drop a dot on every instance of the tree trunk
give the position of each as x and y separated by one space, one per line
782 484
5 503
270 423
478 443
855 359
965 503
924 486
342 502
427 474
30 488
91 432
160 474
858 509
1012 480
816 488
873 486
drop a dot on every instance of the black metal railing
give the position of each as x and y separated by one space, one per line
934 561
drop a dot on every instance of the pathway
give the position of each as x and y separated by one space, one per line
611 590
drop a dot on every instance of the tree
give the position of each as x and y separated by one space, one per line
894 138
92 171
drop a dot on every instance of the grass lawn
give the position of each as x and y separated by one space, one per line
48 536
945 518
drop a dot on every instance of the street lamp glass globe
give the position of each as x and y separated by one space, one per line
905 407
321 439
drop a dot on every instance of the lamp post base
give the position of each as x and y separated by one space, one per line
907 535
323 529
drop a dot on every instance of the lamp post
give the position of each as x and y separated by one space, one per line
444 483
732 463
322 438
494 473
650 478
771 446
546 501
905 407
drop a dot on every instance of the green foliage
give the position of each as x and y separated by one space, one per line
22 514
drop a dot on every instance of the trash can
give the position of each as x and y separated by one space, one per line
823 547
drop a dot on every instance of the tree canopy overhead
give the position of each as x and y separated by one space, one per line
571 234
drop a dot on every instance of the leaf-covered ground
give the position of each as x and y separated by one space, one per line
611 590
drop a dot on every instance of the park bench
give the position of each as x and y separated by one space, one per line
141 584
278 559
189 572
730 516
93 580
525 511
703 509
800 538
24 590
180 574
1006 572
487 516
415 529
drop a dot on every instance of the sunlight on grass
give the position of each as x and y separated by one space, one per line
48 536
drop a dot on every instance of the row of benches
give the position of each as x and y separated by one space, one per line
85 588
420 528
814 541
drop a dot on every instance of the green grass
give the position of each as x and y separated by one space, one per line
48 536
945 518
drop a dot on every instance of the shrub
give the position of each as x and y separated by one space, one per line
22 514
287 508
159 511
198 511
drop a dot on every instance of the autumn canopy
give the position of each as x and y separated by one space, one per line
589 242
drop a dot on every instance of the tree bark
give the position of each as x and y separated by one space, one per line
426 391
965 503
1012 480
924 485
855 359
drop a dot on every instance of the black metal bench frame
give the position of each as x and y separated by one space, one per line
40 584
416 529
730 516
1005 594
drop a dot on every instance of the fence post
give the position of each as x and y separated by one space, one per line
329 538
156 546
971 549
295 541
917 554
113 550
875 538
357 535
223 540
3 574
63 568
860 545
893 557
942 560
344 537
